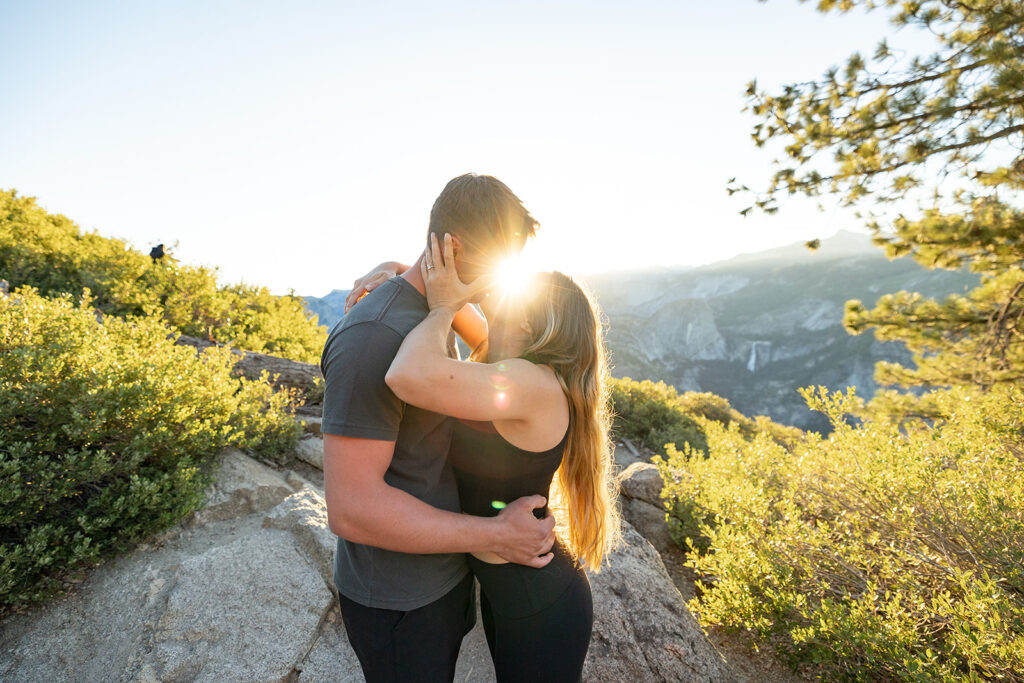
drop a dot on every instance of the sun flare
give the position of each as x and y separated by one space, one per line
512 276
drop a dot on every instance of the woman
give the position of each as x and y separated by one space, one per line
532 409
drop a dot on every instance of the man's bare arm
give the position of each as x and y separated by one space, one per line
365 509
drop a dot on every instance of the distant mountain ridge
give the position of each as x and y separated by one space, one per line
757 327
753 328
329 308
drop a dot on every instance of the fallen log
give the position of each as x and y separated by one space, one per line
290 373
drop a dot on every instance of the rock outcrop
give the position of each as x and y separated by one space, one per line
243 590
642 629
250 364
640 500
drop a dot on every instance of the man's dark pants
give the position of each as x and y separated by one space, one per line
418 645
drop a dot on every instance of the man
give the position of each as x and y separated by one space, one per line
404 585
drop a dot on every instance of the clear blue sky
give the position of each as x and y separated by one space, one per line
296 144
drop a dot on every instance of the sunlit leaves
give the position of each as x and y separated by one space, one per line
879 553
654 414
51 253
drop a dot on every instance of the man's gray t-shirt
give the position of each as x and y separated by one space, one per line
357 403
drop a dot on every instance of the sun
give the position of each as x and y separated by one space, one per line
512 275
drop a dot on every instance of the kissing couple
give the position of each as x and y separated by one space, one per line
439 471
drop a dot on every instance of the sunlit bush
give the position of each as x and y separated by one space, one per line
649 413
875 554
654 414
49 252
108 433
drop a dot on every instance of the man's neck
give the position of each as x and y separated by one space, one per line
414 277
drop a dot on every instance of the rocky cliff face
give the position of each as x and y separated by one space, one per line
756 328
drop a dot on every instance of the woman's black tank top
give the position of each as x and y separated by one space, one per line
491 472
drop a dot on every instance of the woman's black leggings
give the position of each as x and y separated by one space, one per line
537 621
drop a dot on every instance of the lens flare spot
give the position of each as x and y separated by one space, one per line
497 505
501 400
499 382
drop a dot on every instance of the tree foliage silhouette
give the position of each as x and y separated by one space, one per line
948 126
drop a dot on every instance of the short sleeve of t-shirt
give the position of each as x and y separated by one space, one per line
357 402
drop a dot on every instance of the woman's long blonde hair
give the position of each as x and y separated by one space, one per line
568 335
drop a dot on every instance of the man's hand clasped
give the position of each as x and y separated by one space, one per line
526 539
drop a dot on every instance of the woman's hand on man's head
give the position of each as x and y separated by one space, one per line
444 288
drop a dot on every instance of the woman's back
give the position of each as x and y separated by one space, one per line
491 472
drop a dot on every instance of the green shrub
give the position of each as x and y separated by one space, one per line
108 433
654 414
50 253
875 554
649 414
